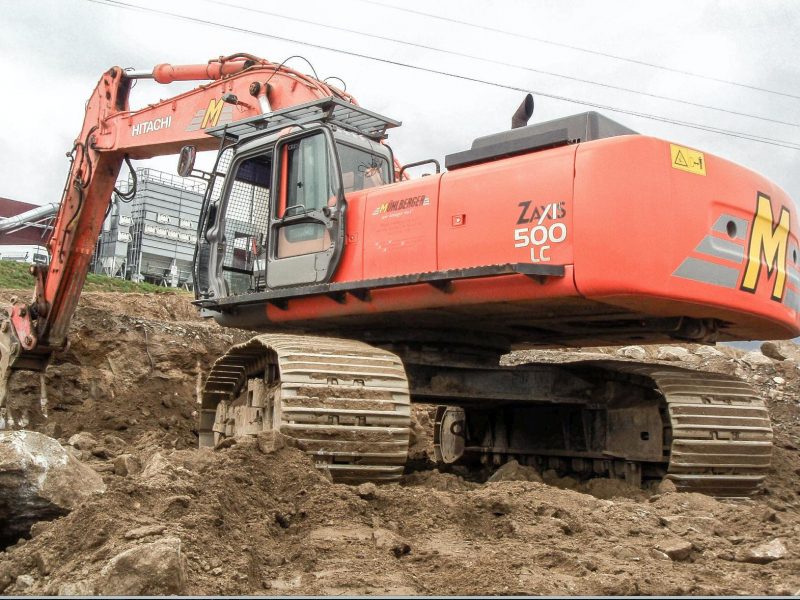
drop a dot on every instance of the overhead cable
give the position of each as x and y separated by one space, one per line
501 63
688 124
581 49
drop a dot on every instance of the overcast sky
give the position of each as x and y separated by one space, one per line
54 51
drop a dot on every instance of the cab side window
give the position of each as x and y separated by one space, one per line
361 169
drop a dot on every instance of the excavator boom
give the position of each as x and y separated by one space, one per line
240 86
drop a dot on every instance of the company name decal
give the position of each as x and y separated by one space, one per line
151 126
396 205
212 114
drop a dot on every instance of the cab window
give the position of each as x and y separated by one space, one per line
361 169
306 169
246 224
305 175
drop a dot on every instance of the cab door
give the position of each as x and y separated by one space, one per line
307 222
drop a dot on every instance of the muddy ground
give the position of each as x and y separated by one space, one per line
257 518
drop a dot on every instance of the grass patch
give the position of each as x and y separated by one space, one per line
14 275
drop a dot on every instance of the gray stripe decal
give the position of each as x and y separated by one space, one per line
792 300
721 226
707 272
226 116
793 251
791 266
794 277
195 123
724 249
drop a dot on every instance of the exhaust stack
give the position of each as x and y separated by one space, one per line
523 114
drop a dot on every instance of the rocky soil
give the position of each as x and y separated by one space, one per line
256 518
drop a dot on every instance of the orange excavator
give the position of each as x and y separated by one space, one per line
378 290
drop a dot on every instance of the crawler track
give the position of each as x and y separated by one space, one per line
707 432
345 402
719 438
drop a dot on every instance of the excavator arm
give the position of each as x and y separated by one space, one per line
239 86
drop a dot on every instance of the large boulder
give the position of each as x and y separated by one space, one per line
157 568
39 480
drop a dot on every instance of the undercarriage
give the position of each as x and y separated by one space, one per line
347 404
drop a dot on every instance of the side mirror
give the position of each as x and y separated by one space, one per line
186 161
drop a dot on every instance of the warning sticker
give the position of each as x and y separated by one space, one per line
687 159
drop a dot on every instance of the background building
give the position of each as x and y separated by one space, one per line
152 237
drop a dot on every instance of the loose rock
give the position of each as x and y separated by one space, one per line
24 582
666 486
39 480
708 352
156 568
765 553
367 491
672 353
772 350
79 588
270 442
682 524
634 352
44 563
127 464
756 359
675 549
513 471
83 441
140 532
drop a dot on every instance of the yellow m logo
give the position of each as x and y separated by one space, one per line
771 241
213 112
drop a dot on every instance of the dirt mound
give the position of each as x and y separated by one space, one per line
250 522
133 361
249 519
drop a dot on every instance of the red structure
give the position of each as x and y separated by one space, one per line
26 235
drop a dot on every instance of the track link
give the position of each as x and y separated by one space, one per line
345 402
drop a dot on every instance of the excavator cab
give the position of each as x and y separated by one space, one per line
274 212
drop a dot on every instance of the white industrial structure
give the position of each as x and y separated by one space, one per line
152 238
